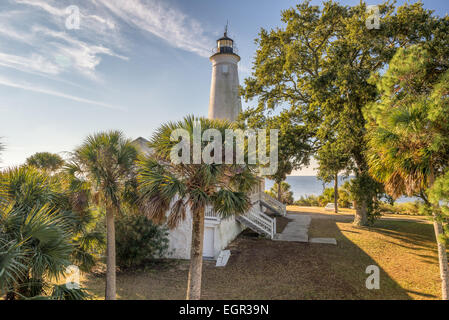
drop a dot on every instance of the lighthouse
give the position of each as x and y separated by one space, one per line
224 100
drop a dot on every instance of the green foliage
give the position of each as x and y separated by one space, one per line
409 128
295 140
88 240
36 247
344 199
29 187
106 160
45 161
308 201
286 193
168 188
12 263
439 196
332 158
364 189
139 240
61 292
319 64
38 231
225 187
101 170
328 196
407 208
440 192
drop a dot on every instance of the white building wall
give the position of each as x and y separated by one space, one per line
180 238
226 231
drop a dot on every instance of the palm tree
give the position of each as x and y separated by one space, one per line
168 189
409 134
282 192
106 160
332 158
45 161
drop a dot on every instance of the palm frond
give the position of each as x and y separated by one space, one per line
12 264
61 292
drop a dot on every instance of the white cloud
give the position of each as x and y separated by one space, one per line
43 5
61 12
28 87
10 32
71 52
33 63
56 49
163 21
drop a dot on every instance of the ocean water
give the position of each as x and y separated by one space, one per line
311 185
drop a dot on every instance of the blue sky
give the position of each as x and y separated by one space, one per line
132 65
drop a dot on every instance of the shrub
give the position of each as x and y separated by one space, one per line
138 240
307 201
344 197
408 208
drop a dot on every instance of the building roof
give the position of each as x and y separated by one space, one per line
225 37
141 145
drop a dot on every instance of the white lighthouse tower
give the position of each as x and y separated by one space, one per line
224 100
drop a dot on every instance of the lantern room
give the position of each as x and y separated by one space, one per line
225 44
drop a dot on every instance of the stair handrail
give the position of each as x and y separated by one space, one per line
254 215
262 227
265 222
275 203
210 213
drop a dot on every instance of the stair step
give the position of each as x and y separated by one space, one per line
253 226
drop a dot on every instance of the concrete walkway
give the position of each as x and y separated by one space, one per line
296 230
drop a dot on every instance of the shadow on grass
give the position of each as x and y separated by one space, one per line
263 269
349 260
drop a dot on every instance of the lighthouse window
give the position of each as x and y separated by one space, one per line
225 68
224 43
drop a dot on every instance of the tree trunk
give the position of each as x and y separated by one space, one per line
442 258
442 255
360 217
110 293
196 257
336 193
279 191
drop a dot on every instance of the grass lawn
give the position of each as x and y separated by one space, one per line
264 269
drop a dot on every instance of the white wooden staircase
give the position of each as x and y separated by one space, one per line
257 220
272 204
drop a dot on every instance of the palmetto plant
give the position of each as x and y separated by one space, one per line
45 250
409 133
103 166
36 233
171 192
